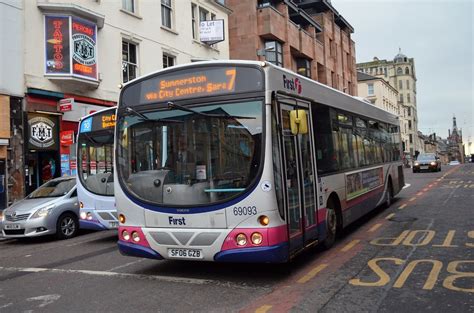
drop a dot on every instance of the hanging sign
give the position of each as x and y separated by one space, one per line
211 32
43 132
57 45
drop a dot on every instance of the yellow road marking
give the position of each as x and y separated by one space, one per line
431 185
375 227
312 273
412 199
419 194
402 206
390 216
350 245
425 190
263 309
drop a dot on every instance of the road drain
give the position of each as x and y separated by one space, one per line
401 219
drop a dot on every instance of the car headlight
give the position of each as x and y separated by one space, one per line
433 163
43 211
2 216
416 163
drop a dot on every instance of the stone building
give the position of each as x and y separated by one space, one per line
400 73
455 144
379 92
306 36
67 59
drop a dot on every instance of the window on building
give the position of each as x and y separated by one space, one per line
399 71
400 85
407 71
409 125
194 20
213 17
401 98
203 14
370 89
411 138
166 13
409 111
303 67
168 60
274 52
408 84
129 61
128 5
408 98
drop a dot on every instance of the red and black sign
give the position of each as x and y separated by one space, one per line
57 45
84 48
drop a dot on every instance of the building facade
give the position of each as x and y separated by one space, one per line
308 37
379 92
400 73
74 57
455 144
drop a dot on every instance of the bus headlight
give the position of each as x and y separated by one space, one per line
263 220
89 216
257 238
125 235
83 215
241 239
122 219
135 236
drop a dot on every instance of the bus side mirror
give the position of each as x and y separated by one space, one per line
298 122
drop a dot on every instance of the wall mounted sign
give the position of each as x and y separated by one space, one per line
65 105
211 32
71 47
66 137
43 132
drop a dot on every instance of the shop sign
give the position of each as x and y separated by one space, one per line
66 137
57 45
84 47
211 32
42 132
65 105
71 47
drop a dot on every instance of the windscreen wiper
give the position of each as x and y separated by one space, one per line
131 111
172 105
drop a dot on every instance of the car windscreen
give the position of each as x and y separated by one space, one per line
54 188
426 157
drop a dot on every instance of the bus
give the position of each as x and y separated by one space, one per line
95 179
244 161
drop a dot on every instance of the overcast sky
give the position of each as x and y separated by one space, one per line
439 36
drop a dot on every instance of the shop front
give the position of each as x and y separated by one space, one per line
43 161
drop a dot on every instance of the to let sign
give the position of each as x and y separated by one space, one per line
65 105
211 32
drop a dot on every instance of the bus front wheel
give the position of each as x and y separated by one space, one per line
331 225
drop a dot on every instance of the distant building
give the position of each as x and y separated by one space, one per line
455 144
401 74
308 37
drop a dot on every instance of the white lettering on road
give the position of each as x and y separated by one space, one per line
45 300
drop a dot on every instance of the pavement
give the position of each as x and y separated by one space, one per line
416 256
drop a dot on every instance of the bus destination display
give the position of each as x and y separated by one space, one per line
98 122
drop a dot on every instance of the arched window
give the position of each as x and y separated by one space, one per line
399 71
407 71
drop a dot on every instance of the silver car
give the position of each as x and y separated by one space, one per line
51 209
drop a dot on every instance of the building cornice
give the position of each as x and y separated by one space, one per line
70 8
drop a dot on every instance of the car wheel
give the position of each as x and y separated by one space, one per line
332 222
67 226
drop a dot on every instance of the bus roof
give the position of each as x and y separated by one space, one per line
114 108
310 89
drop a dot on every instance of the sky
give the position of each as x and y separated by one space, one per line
438 34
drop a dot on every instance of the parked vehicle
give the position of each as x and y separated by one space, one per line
51 209
427 162
454 162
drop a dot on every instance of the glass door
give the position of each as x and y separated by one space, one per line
299 181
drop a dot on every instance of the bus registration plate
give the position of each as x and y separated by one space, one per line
185 253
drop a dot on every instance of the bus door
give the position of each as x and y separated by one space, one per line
299 179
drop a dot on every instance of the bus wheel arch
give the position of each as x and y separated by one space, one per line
333 220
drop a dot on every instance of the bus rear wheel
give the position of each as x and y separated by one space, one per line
332 222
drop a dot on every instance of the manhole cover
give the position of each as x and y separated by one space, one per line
401 219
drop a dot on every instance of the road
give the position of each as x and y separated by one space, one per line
416 256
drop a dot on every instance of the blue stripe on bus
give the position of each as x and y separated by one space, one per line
273 254
192 210
130 249
225 190
91 225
